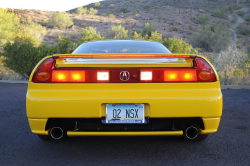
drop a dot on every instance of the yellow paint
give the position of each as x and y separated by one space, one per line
126 133
87 100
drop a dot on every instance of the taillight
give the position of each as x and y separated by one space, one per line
44 72
204 72
77 76
168 75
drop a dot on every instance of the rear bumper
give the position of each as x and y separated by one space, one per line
38 127
86 100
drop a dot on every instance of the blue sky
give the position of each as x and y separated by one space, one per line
46 5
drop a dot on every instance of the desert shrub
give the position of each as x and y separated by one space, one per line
60 20
64 45
92 11
137 36
22 55
84 25
222 12
213 37
173 28
148 28
147 6
117 32
109 12
97 4
176 45
137 15
82 10
155 36
247 18
27 26
124 10
111 16
241 13
202 18
89 34
111 5
230 66
8 26
243 29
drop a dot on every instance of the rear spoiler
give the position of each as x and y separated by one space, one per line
124 60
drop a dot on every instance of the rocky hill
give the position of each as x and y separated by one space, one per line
172 17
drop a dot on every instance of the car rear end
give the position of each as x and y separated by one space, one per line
142 94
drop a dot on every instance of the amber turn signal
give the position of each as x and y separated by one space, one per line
43 76
205 75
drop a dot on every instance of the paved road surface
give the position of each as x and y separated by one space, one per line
18 146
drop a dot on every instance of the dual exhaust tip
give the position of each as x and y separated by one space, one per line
57 133
190 132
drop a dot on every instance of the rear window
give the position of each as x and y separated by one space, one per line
120 46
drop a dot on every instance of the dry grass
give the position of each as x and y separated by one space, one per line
232 66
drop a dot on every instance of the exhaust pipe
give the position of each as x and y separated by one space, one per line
57 133
191 132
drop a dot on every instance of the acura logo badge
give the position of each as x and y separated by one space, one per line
124 75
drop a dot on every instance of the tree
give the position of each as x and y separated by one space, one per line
176 45
117 32
81 10
148 28
8 26
89 34
61 20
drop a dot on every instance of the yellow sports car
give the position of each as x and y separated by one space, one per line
124 88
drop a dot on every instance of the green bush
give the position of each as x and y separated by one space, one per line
147 6
223 12
241 13
82 10
173 28
89 34
148 28
247 18
155 36
111 16
8 26
176 45
60 20
202 18
22 55
111 5
117 32
124 10
213 37
243 29
27 26
92 11
97 4
137 36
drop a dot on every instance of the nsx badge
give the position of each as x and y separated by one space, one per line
124 75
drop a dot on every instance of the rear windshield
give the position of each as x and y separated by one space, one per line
121 47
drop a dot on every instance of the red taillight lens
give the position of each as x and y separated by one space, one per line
204 72
168 75
44 72
68 76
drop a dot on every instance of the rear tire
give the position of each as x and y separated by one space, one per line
45 137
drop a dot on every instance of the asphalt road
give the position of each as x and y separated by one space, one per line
18 146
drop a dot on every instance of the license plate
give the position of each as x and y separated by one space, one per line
125 113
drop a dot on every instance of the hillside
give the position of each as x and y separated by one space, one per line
172 17
210 25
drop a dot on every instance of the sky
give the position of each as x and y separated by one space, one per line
45 5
